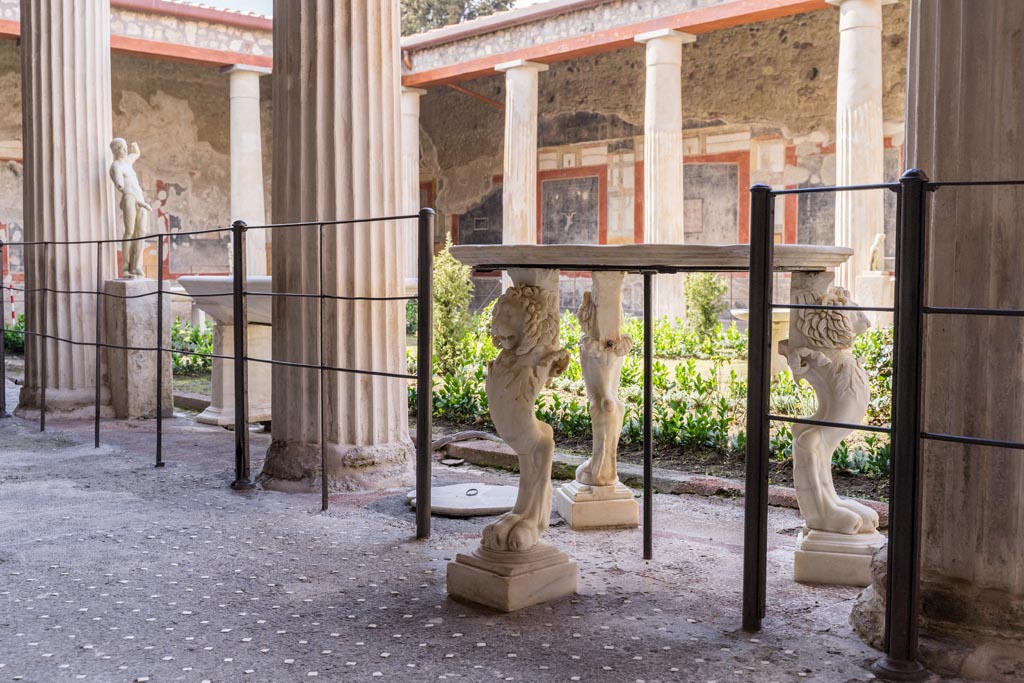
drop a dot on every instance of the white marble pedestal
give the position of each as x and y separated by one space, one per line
213 297
827 558
221 410
129 319
876 288
597 507
509 581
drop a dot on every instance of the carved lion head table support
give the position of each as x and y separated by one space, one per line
511 569
840 535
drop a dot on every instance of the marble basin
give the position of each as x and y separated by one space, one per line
221 410
220 307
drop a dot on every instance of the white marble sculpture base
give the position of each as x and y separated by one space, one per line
221 410
597 507
876 289
509 581
827 558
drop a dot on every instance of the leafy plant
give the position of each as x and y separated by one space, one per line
704 302
874 349
412 308
453 290
194 339
14 335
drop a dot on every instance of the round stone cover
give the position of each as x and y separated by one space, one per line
469 500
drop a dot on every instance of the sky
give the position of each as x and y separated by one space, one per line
266 6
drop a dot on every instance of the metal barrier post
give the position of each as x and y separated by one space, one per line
325 500
648 419
755 527
241 351
98 360
159 350
901 604
3 340
43 343
424 370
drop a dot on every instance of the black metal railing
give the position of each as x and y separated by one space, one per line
38 330
903 574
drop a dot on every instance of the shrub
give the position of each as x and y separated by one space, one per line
195 339
412 308
14 336
704 302
453 290
874 349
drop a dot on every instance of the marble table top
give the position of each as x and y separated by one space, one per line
661 258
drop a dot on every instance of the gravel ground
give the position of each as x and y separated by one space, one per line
112 570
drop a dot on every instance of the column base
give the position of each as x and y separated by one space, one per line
72 404
224 417
596 507
294 467
827 558
508 581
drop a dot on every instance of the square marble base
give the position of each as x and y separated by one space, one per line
510 581
833 559
597 507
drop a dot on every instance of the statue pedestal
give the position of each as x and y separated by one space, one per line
595 507
875 288
131 375
823 557
509 581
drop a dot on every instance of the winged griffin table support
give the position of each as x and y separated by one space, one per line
511 568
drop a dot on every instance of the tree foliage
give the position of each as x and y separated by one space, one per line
422 15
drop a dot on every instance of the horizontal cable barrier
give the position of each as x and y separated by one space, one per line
830 190
824 423
973 441
997 312
973 183
238 293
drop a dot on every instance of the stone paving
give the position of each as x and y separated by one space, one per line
112 570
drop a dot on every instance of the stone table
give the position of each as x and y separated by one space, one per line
511 568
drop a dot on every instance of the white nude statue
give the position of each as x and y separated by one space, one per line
819 351
525 328
134 208
603 350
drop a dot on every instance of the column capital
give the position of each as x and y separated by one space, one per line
521 64
406 90
238 68
666 33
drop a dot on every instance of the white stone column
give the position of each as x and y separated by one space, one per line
965 100
410 180
860 142
663 157
336 156
519 182
66 104
247 200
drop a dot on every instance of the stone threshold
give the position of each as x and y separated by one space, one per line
188 401
500 456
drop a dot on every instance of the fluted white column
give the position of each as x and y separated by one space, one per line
860 142
66 105
965 99
519 184
410 179
247 201
663 157
336 156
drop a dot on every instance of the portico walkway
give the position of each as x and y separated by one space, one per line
114 571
